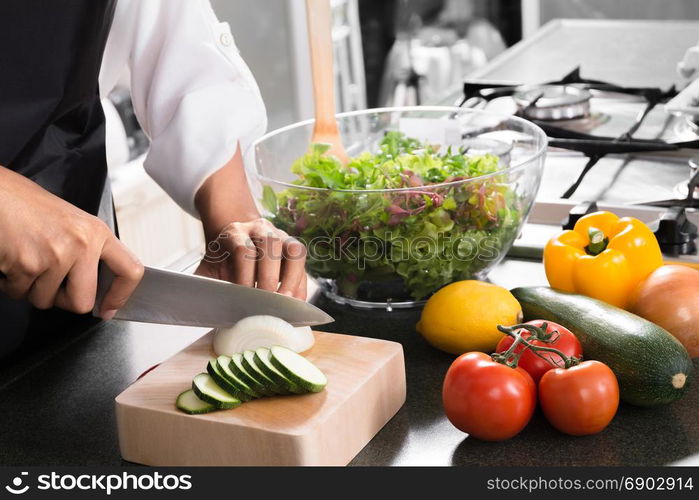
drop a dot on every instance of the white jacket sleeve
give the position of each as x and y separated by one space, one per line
192 93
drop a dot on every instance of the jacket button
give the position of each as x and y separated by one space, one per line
226 39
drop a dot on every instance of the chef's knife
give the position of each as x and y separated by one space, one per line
173 298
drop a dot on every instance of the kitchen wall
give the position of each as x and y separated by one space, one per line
617 9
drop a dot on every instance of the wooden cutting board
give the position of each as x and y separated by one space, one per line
366 387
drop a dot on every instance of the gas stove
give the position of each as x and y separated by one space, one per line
610 147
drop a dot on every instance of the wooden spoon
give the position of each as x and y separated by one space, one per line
319 17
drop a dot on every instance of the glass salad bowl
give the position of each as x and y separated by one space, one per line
431 195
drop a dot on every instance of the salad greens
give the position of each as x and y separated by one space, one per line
422 237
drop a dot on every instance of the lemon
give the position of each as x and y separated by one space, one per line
464 315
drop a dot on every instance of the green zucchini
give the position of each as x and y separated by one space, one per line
298 369
236 366
652 367
223 364
263 360
251 367
227 384
209 391
188 402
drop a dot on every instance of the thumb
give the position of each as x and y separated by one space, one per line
127 270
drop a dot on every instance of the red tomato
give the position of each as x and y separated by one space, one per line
564 341
488 400
580 400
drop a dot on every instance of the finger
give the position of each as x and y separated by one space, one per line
16 287
16 284
293 268
302 290
128 272
209 270
45 288
216 262
241 262
270 253
80 290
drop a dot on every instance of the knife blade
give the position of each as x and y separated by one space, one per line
173 298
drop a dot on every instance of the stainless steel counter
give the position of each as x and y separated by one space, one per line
629 53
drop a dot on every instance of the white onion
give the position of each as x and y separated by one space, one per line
254 332
304 338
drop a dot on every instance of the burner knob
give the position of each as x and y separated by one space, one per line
675 233
577 212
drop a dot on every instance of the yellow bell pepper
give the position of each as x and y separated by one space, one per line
604 257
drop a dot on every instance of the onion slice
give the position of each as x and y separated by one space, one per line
254 332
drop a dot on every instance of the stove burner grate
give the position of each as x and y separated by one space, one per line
548 104
552 102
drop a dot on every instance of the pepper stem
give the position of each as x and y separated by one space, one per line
598 241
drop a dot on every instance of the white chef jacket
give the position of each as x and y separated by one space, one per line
192 93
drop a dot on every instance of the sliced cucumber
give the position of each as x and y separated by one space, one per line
298 369
237 367
223 365
234 390
251 367
188 402
263 361
207 390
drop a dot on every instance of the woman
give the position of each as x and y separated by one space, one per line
196 100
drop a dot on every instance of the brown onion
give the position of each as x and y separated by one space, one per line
669 297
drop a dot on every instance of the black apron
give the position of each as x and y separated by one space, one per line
51 120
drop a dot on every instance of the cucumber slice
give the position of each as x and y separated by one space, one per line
298 369
237 367
213 369
207 390
263 360
188 402
223 365
251 367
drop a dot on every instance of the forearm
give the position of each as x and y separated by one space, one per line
225 198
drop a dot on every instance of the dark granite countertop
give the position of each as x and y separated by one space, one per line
57 404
